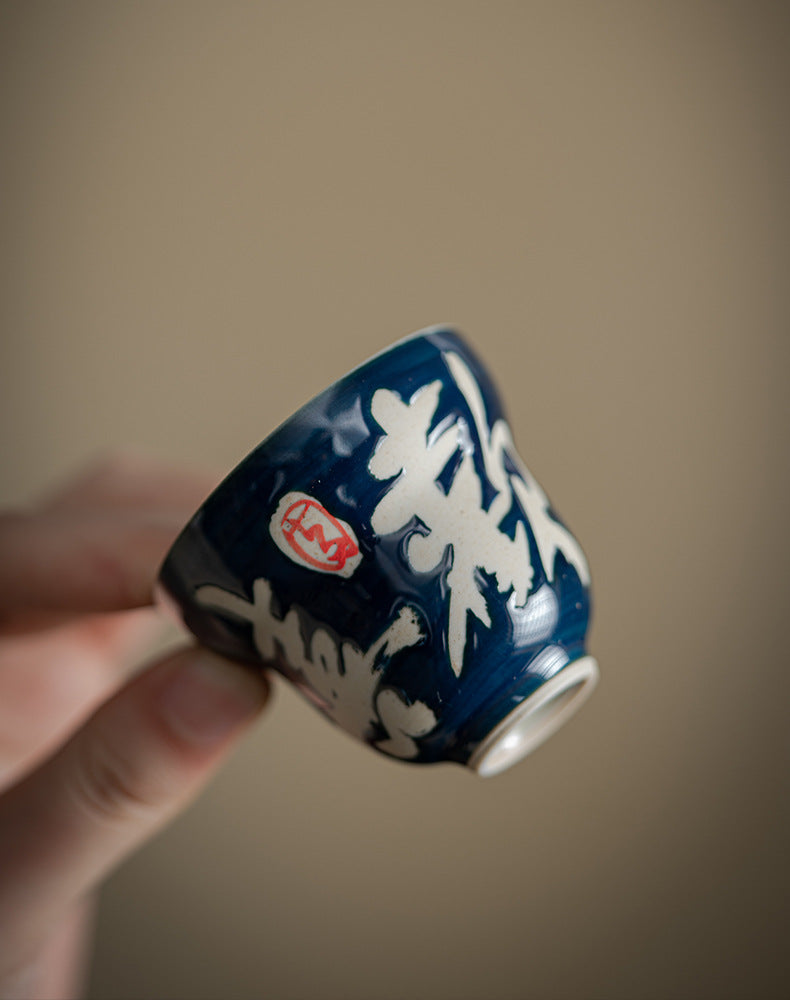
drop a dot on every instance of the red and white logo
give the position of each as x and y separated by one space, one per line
309 535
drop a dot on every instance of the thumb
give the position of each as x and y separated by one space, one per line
138 761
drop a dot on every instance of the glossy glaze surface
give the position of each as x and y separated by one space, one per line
388 552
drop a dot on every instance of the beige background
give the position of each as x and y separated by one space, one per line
211 210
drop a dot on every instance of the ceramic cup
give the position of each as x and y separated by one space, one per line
388 552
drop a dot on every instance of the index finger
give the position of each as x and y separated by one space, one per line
64 563
127 480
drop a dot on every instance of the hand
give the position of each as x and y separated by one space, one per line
92 763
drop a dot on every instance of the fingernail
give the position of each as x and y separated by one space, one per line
207 698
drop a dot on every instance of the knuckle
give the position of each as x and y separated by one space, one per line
111 573
107 786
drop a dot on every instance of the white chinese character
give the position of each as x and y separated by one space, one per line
342 680
455 517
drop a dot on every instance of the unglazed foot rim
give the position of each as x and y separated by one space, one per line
537 718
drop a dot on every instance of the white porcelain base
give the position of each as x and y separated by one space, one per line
536 718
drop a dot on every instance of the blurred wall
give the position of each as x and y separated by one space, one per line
211 210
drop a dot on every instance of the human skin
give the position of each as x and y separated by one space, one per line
95 758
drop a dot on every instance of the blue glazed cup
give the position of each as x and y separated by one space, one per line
388 552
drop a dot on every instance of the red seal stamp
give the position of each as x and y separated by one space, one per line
305 531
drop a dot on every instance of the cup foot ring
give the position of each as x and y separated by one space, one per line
536 718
